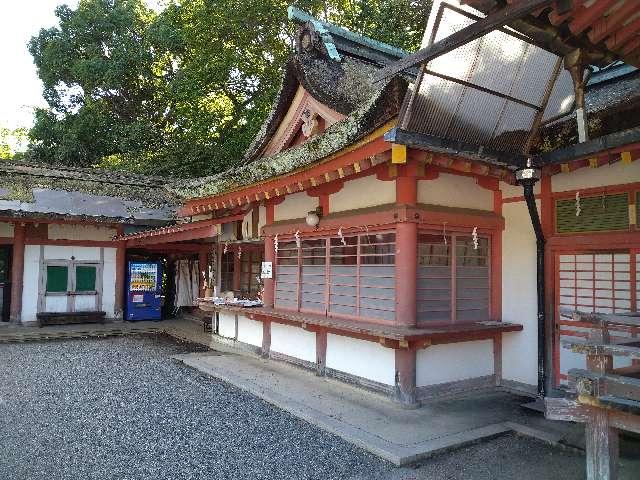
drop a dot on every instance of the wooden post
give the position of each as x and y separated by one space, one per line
203 263
406 377
602 447
321 352
406 253
121 274
601 439
266 338
17 272
497 359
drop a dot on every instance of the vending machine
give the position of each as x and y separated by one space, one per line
144 290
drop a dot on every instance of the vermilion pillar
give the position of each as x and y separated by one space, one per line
121 273
269 256
17 273
406 253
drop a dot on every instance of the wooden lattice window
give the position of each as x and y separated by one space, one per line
227 267
352 276
453 287
595 282
250 267
596 214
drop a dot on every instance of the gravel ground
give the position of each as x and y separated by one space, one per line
120 408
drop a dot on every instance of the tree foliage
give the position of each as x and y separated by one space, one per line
12 143
184 91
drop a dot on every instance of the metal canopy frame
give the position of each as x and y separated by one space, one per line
476 31
468 34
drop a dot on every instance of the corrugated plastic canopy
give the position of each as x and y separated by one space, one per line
493 92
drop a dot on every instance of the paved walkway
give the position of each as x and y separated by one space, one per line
182 329
372 422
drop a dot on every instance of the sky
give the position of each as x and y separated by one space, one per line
20 88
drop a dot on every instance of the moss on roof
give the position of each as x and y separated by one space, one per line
18 180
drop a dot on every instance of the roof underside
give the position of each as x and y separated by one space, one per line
607 30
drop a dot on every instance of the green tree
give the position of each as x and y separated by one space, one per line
101 76
12 143
182 93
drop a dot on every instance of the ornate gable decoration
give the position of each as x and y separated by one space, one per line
305 118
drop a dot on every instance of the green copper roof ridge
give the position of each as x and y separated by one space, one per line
300 16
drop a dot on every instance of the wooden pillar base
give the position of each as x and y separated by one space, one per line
602 447
406 377
266 339
321 352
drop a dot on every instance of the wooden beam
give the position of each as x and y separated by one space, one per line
462 37
194 234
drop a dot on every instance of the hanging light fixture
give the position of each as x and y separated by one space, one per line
313 217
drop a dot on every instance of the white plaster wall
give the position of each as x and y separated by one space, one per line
510 191
361 193
453 362
59 252
293 341
109 282
519 301
80 232
226 325
296 205
6 229
30 280
613 174
455 191
249 331
364 359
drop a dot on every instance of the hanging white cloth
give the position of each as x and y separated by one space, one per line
187 283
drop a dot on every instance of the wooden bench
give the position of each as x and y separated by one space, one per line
602 397
66 318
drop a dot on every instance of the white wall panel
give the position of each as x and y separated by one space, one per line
361 358
293 341
447 190
249 331
296 205
453 362
611 174
80 232
361 193
519 297
30 283
227 325
109 282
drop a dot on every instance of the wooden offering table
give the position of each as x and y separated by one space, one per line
606 399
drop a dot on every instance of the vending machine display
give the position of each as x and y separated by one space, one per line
144 291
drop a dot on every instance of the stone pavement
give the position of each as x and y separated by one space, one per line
182 329
372 422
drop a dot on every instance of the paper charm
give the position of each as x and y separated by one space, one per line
578 206
275 243
297 237
341 237
474 235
